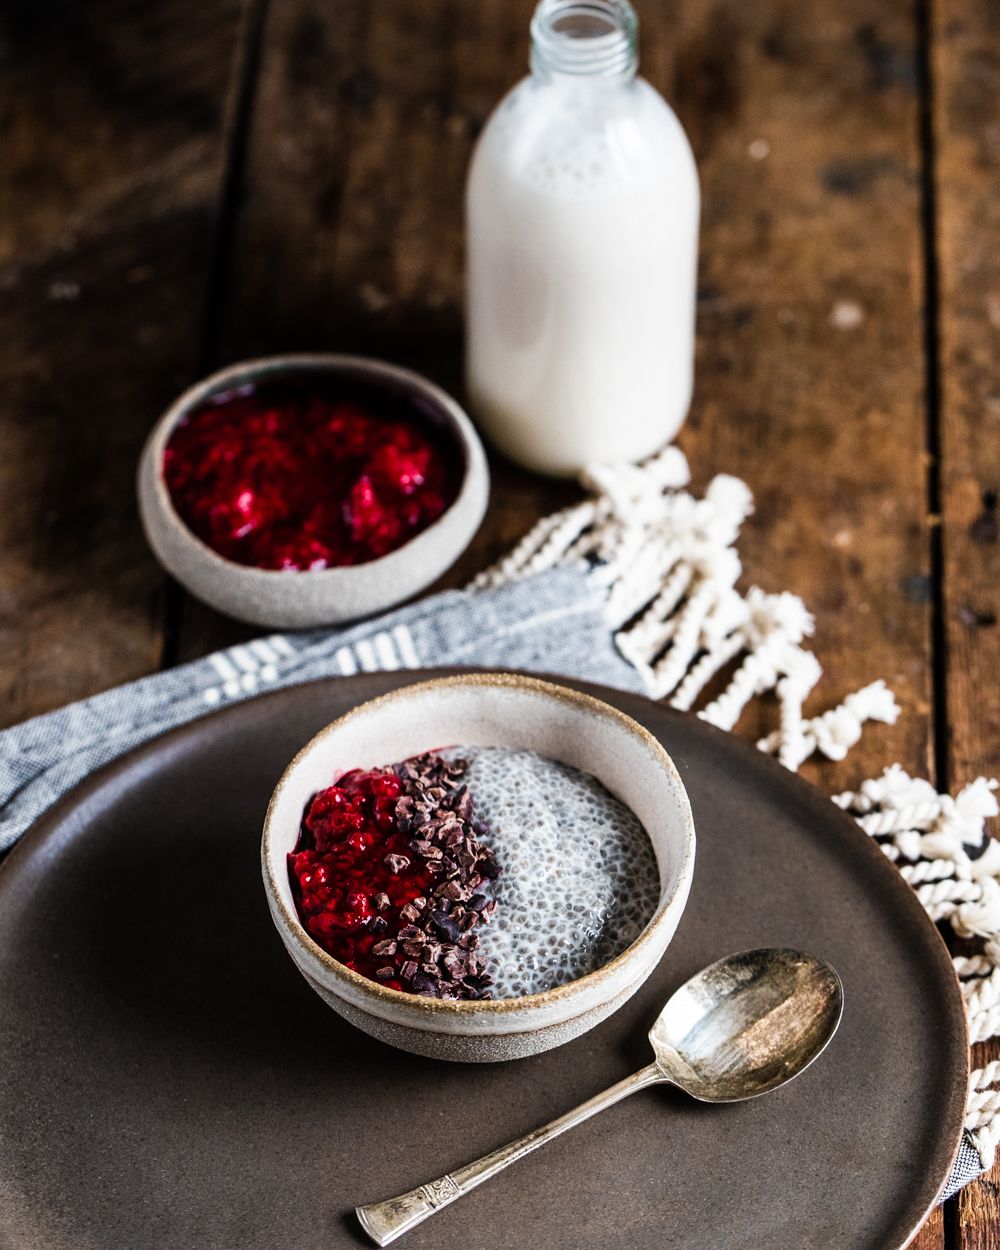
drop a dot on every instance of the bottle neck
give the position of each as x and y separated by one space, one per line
577 40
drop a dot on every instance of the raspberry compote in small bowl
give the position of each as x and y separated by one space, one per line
307 490
478 867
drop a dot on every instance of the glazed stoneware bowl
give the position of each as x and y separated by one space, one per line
300 600
486 709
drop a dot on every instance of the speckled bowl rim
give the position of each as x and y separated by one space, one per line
459 425
491 1007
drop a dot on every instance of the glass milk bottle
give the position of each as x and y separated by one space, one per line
582 222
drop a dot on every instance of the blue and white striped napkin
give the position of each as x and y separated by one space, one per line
551 623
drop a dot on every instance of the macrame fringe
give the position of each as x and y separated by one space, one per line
941 846
668 566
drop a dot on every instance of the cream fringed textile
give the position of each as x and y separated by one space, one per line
668 566
942 847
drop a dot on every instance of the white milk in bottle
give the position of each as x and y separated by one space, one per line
582 221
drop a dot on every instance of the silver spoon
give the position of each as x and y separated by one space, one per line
740 1028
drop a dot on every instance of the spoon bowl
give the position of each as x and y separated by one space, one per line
747 1024
739 1028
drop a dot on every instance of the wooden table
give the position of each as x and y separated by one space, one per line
187 183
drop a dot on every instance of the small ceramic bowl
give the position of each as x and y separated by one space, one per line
301 600
486 709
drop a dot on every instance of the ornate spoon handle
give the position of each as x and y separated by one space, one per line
385 1221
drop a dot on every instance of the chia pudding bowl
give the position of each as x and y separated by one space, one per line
479 867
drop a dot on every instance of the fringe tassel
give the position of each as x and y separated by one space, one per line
668 564
942 848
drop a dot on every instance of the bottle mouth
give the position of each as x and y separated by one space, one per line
585 37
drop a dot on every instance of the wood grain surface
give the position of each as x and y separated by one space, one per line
111 129
965 110
189 184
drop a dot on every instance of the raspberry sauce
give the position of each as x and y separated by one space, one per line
307 473
342 880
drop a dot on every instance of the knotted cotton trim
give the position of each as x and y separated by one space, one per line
941 846
668 565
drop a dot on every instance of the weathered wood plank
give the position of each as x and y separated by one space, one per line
966 127
967 131
810 378
112 159
932 1235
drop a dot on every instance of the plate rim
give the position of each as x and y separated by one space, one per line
925 1196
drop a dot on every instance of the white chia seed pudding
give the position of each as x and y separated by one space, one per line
579 880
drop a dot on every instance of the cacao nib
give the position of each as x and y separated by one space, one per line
478 982
427 850
448 926
456 962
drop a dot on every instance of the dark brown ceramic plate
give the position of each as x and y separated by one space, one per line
167 1079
